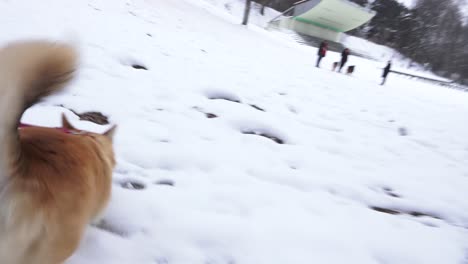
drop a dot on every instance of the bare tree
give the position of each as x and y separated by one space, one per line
264 4
248 4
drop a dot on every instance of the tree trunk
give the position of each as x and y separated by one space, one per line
248 4
264 4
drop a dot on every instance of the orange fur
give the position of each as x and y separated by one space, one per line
52 184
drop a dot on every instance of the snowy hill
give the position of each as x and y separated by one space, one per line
233 148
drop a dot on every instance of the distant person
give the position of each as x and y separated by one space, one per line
386 71
322 52
344 58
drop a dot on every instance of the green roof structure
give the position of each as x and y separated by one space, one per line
336 15
326 19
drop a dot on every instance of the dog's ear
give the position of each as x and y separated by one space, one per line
66 124
111 132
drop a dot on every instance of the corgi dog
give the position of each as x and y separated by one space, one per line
53 181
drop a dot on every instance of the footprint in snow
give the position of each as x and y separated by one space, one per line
390 192
139 66
165 182
257 107
265 134
266 131
222 95
131 184
208 115
106 226
135 64
403 131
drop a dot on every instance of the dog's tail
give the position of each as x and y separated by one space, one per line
29 71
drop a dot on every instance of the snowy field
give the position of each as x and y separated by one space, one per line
234 149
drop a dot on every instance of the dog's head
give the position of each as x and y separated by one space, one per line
104 141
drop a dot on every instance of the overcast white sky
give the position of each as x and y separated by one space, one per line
408 3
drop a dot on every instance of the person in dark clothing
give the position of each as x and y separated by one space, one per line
322 52
344 58
386 71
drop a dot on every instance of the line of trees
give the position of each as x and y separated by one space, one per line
432 33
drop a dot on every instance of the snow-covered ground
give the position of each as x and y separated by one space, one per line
235 196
